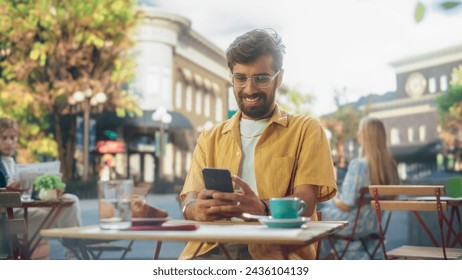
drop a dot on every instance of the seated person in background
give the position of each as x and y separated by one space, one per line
376 166
275 153
69 216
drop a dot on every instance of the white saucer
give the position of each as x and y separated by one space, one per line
284 223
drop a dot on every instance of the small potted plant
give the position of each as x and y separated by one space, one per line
49 186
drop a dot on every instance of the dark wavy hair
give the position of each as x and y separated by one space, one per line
253 44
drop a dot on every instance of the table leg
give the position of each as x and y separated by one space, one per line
198 249
83 250
157 253
54 213
225 251
25 238
451 230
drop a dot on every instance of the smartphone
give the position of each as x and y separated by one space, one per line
217 179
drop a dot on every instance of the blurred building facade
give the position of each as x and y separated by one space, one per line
178 70
411 118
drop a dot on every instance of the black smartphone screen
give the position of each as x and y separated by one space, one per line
217 179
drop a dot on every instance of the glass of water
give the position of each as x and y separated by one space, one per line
114 198
26 184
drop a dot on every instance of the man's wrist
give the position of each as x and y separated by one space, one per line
185 208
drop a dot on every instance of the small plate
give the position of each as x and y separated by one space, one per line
148 221
284 223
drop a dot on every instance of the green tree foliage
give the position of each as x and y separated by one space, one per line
295 101
50 49
343 123
450 110
421 9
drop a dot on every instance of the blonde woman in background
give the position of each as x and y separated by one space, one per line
375 166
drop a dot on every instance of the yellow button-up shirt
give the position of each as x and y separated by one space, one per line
292 151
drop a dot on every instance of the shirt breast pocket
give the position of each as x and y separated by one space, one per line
281 170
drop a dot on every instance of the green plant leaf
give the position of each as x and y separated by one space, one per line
419 12
450 5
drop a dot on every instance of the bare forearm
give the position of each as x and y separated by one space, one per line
341 205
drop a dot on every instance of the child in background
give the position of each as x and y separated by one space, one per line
69 216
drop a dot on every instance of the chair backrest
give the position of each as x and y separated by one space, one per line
406 198
9 245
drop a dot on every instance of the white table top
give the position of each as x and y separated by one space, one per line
222 232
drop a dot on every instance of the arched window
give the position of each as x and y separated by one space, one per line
394 136
219 109
178 94
198 101
410 134
443 83
422 133
189 98
207 104
432 85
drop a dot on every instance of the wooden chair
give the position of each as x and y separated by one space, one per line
12 228
390 198
363 201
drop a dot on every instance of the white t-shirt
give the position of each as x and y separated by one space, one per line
250 134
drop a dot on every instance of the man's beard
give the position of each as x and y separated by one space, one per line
256 112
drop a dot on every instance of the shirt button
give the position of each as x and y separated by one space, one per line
238 153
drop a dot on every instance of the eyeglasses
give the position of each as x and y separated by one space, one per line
260 81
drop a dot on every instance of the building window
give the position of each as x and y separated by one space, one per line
432 85
189 98
188 160
149 166
410 134
207 105
178 163
402 171
443 83
394 136
179 96
198 101
219 110
422 133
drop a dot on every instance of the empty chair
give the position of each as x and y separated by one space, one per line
405 198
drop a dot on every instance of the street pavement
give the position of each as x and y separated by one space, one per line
143 250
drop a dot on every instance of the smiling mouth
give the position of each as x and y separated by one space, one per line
252 99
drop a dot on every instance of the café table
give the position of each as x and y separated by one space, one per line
215 232
55 206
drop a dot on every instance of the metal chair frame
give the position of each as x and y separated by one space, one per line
363 201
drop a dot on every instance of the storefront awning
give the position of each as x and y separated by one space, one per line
416 152
180 129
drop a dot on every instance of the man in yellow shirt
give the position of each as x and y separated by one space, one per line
272 153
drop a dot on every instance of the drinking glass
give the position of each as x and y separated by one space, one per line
115 204
26 183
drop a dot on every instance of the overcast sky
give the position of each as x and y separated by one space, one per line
329 44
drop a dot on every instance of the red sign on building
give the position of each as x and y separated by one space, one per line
110 147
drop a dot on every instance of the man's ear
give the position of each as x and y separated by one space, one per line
279 78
